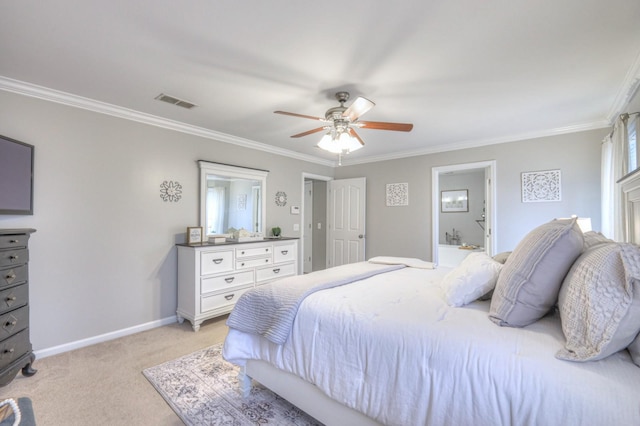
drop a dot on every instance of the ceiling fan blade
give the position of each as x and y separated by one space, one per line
357 108
380 125
293 114
355 135
308 132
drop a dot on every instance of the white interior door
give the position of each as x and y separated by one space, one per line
346 212
307 237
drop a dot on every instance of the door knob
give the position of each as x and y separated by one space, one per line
360 236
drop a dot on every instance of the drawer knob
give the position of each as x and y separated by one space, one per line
10 323
13 257
242 252
275 271
230 279
10 277
217 261
284 252
242 264
267 249
9 351
266 260
11 299
14 241
229 296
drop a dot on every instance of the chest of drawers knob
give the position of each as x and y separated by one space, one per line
10 299
230 279
217 261
275 271
229 296
284 252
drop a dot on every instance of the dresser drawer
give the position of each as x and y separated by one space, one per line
13 322
252 263
217 301
222 282
213 262
13 298
276 271
14 257
13 241
13 276
243 252
284 253
14 347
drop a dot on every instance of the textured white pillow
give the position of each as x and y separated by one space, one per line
599 302
474 277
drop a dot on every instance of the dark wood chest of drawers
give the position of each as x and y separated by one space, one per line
15 346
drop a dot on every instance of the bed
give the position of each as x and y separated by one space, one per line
399 347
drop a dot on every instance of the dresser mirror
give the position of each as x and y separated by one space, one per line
231 197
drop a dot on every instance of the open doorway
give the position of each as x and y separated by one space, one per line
313 246
463 213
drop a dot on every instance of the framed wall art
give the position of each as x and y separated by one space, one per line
454 201
194 235
397 194
541 186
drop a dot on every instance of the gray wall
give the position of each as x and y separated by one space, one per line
319 260
103 257
406 231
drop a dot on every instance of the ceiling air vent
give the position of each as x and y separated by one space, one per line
175 101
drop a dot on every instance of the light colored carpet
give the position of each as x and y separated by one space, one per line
203 389
102 384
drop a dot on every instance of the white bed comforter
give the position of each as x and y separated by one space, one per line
391 348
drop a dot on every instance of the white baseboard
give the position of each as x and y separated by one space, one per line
43 353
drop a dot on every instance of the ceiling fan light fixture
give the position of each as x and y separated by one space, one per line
342 143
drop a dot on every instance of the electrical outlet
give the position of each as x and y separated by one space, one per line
296 227
319 225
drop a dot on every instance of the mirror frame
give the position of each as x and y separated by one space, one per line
209 168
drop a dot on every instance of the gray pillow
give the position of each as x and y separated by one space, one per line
593 238
599 302
529 283
502 257
634 350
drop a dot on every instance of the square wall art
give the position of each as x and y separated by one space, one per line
397 194
541 186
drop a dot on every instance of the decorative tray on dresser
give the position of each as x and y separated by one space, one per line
15 346
211 277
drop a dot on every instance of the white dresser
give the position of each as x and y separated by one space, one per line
211 277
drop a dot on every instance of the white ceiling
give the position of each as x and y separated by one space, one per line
464 72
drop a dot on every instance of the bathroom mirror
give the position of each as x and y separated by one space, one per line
231 197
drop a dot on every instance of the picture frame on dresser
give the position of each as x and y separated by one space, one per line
194 235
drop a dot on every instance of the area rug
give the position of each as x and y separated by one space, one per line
202 388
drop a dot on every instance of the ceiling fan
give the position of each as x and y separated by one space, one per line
340 123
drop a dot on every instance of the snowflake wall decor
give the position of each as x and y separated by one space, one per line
541 186
397 194
170 191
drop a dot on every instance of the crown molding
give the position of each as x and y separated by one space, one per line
627 90
52 95
478 143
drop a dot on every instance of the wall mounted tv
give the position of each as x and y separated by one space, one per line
16 177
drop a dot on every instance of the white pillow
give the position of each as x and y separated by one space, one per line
475 277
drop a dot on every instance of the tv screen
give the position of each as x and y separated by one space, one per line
16 177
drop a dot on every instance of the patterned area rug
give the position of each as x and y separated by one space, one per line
202 388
